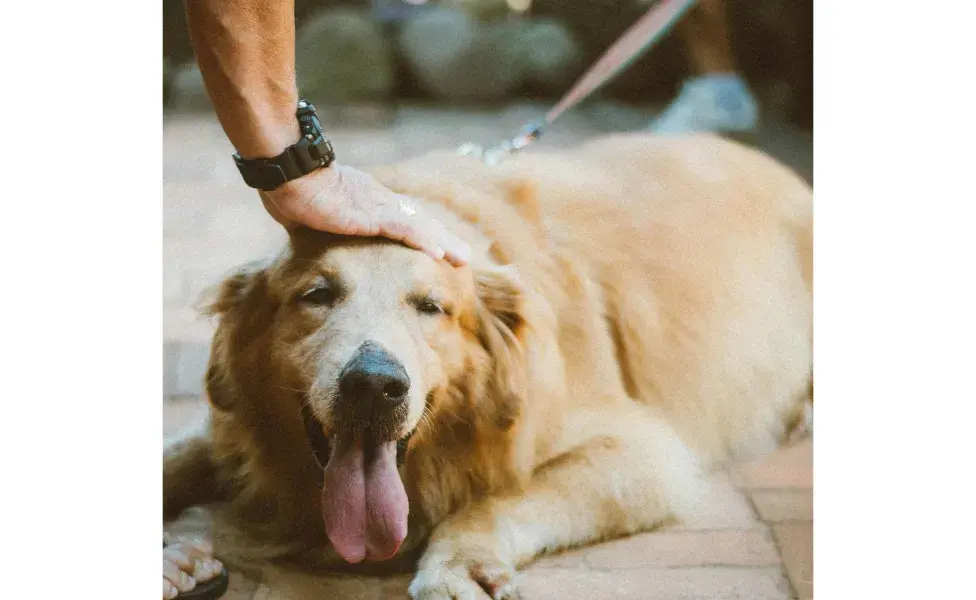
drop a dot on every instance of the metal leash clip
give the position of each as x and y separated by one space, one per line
495 154
656 22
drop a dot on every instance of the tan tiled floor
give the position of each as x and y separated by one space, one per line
755 542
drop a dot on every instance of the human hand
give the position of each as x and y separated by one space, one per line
343 200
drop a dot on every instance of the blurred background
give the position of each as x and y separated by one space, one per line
392 51
394 78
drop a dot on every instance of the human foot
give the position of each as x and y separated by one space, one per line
190 570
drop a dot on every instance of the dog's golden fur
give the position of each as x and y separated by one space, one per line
636 311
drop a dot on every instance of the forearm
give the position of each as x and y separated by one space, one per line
246 53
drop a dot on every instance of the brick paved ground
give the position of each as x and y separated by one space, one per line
755 543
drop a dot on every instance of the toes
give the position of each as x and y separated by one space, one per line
203 546
195 558
169 590
187 563
201 571
177 576
207 569
178 557
197 550
171 571
186 583
497 580
446 584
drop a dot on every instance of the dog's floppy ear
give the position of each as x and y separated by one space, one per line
501 324
224 296
242 304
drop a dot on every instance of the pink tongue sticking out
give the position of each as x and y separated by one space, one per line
363 501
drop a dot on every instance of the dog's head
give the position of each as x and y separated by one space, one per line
367 341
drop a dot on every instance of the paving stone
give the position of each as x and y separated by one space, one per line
173 272
395 587
245 226
745 548
240 588
654 584
366 147
178 414
775 506
568 559
790 468
289 585
795 542
191 367
197 281
187 324
726 508
196 149
550 584
171 357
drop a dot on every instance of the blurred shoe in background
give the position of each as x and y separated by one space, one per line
714 102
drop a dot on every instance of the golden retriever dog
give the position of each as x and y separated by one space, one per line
636 311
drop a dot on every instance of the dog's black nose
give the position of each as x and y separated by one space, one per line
374 376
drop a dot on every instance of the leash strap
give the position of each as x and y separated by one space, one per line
643 34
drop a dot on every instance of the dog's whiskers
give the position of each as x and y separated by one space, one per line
303 392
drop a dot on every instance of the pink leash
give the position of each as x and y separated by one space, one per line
643 34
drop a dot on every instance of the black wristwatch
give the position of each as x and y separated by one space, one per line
312 152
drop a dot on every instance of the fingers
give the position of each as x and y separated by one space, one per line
456 251
414 232
425 233
349 202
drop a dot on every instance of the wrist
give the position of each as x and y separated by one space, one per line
268 134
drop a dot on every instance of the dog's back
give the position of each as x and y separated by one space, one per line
702 249
700 255
670 282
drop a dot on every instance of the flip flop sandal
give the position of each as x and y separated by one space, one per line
210 590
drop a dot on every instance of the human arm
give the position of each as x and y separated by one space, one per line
246 53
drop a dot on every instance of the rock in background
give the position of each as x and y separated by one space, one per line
458 58
342 56
554 57
186 91
455 58
167 78
773 41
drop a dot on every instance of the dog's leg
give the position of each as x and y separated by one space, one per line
189 474
631 479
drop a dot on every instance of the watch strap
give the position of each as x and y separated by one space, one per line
312 152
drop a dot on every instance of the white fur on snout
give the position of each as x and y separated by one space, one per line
341 348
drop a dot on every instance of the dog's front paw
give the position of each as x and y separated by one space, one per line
463 575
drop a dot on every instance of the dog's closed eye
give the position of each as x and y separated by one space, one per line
325 295
429 306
